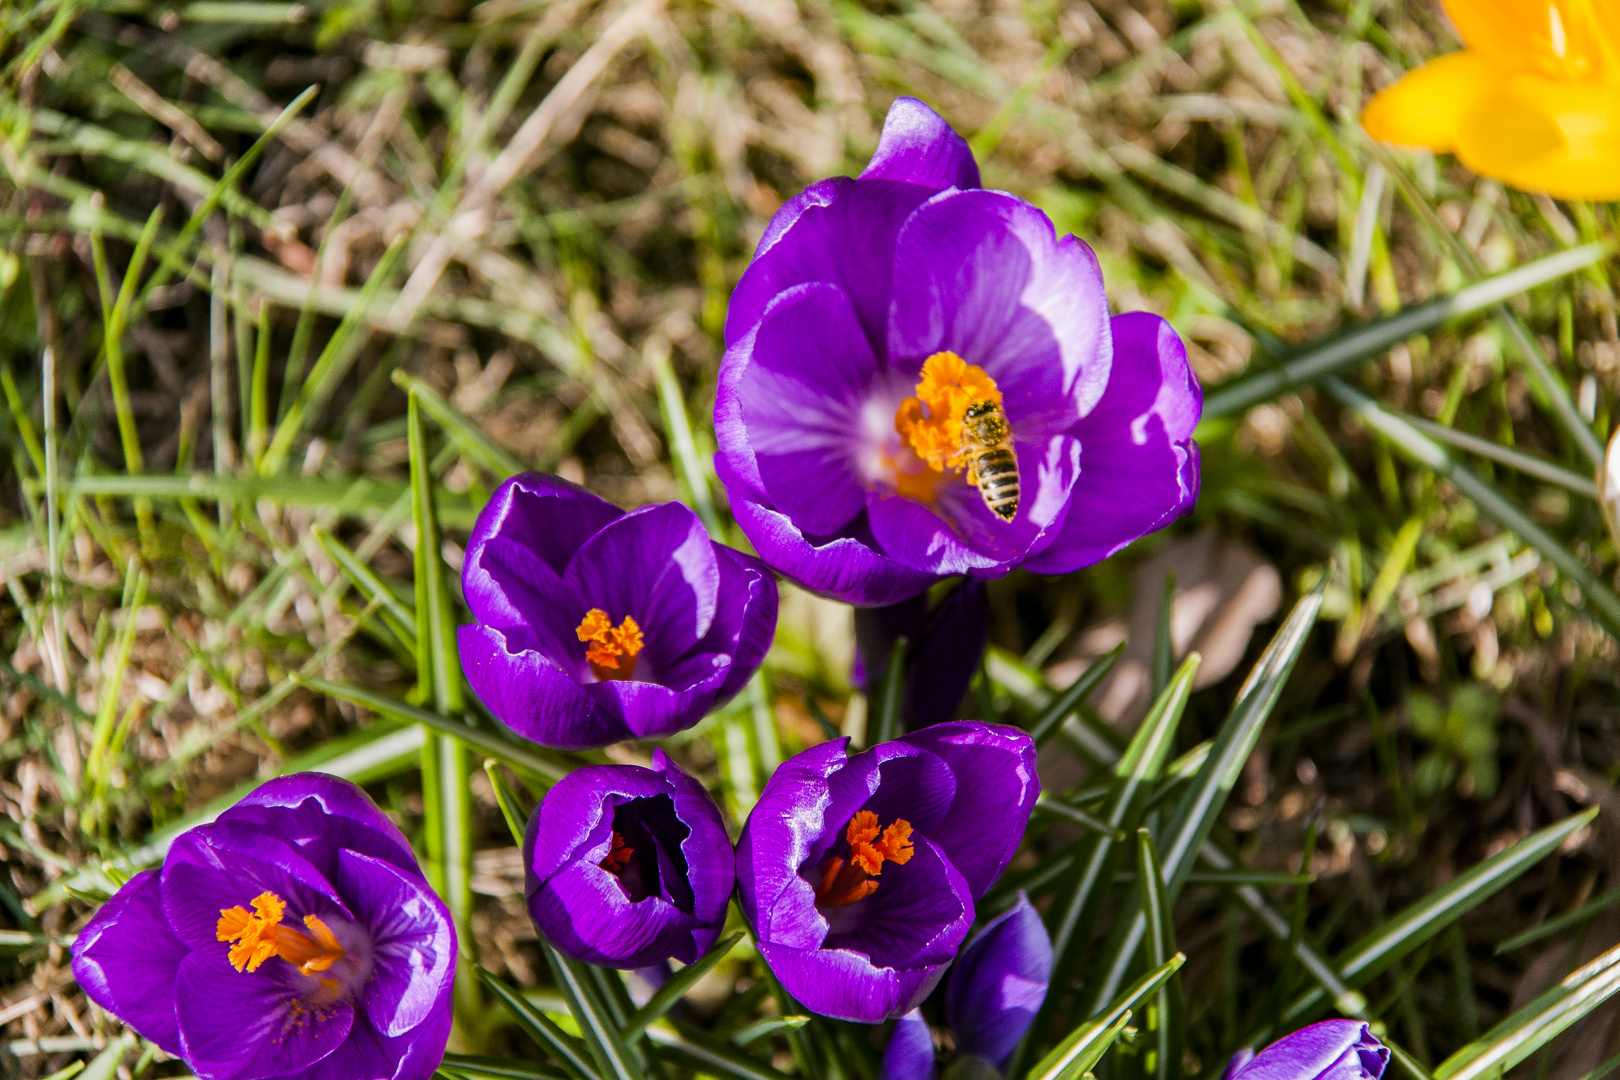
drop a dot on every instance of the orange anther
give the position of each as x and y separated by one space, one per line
619 857
611 651
260 935
844 883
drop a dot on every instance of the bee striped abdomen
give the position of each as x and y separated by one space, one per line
998 482
987 444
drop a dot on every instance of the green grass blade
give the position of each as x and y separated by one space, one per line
676 986
1517 460
563 1048
614 1061
686 1046
767 1027
1162 1018
370 585
1539 1022
689 465
1193 819
1339 353
1399 935
96 765
1047 722
1164 649
1085 1046
472 440
1562 922
477 1067
1059 809
104 1066
507 799
518 756
885 723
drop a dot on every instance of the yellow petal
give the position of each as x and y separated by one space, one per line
1426 106
1536 134
1562 39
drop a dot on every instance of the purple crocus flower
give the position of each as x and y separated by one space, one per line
1331 1050
596 625
996 987
859 872
945 643
293 937
921 379
627 866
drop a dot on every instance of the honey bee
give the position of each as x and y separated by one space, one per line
991 465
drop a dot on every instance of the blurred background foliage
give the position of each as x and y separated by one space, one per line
237 239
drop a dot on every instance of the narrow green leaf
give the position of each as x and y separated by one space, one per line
96 767
507 799
468 435
1162 1018
1596 597
474 1067
1193 819
689 465
1164 649
521 757
1398 936
1060 809
768 1026
1562 922
688 1047
1046 724
104 1066
1533 1026
884 725
676 986
370 585
1086 1044
1327 358
563 1048
614 1061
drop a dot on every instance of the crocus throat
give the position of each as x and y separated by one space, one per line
612 650
259 935
931 422
619 856
843 883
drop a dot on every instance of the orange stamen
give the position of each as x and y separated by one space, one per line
259 935
611 651
844 883
931 422
619 857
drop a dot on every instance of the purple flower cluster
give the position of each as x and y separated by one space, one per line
921 380
293 937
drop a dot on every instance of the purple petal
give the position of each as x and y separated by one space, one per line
1331 1050
585 911
917 917
1236 1062
227 865
657 565
530 694
910 1053
413 943
126 959
998 984
651 710
839 231
238 1025
961 535
711 864
848 567
1139 465
544 514
948 655
321 814
919 147
744 619
797 403
846 985
776 840
996 789
519 589
983 275
367 1054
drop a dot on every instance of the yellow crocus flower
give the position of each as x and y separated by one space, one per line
1534 99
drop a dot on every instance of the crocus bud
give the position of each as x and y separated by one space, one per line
1331 1050
945 643
627 866
910 1053
998 984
